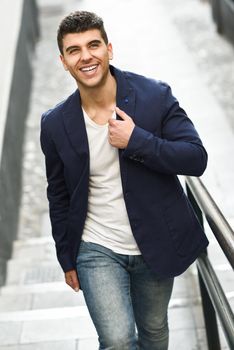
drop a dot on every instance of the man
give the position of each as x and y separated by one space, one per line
122 224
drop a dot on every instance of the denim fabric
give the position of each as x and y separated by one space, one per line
127 303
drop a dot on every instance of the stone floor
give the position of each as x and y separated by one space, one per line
170 40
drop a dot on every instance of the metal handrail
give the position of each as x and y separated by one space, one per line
217 222
213 297
218 298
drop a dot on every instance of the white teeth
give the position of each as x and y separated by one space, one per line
88 69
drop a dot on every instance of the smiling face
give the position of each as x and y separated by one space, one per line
86 56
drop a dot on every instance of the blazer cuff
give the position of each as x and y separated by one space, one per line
136 144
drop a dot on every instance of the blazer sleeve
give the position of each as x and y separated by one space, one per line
178 151
58 197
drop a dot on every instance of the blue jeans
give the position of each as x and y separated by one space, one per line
123 295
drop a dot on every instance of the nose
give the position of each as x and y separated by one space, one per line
85 55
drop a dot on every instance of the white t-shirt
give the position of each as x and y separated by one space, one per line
107 221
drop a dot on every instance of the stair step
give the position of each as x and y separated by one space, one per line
23 298
45 225
26 271
34 288
15 302
52 345
46 325
41 248
45 314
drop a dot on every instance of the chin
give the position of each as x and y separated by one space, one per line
92 84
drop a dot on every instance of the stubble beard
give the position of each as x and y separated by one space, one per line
100 83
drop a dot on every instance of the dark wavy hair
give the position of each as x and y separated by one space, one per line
78 22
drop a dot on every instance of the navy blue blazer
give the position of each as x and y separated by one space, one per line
163 144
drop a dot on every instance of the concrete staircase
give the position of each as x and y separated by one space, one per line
37 309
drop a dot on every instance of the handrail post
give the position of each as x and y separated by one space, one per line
211 326
210 319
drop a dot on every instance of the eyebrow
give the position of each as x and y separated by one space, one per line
71 47
96 41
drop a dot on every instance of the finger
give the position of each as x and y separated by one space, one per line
72 280
110 139
76 285
111 122
121 113
69 281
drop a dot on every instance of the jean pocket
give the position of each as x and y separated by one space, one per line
81 249
86 249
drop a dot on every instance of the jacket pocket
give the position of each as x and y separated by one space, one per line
182 226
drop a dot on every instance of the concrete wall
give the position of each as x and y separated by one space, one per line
19 28
223 15
227 15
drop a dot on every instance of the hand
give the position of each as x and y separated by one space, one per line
120 130
71 279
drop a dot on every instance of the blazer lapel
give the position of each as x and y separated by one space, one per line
74 120
125 100
75 126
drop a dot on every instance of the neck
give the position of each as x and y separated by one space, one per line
99 97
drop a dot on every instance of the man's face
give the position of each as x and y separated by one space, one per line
86 57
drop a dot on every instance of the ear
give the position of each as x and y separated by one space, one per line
110 51
63 62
